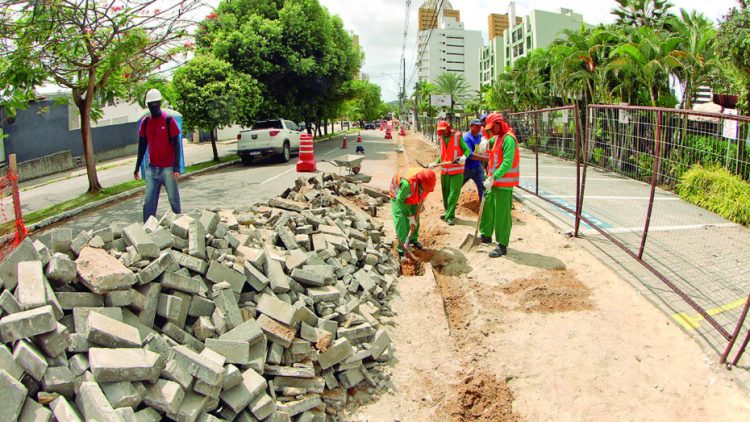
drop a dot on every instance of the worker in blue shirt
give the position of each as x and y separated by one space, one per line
474 169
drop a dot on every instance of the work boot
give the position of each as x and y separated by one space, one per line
442 217
499 251
450 221
418 245
486 239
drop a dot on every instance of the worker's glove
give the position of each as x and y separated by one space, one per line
432 165
482 147
488 183
462 160
412 221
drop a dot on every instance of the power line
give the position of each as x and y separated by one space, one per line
427 42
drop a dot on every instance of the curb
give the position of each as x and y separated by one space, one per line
122 195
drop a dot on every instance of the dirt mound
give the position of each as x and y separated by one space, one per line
450 262
551 291
481 397
469 204
411 268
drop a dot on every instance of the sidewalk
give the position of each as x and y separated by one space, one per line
703 254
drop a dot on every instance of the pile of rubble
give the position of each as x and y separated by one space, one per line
269 312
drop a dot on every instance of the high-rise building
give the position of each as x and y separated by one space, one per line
497 24
428 16
447 47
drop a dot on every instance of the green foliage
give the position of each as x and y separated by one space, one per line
210 94
717 190
365 103
642 12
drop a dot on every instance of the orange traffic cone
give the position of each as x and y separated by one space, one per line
306 161
343 145
359 137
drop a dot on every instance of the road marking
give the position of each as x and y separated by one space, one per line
293 168
639 229
692 322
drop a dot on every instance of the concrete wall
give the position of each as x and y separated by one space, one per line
44 166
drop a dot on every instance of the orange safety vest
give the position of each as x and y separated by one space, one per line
513 176
450 152
412 199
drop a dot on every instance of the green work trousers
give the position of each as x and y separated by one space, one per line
401 212
451 185
496 216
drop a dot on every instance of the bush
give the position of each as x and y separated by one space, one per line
717 190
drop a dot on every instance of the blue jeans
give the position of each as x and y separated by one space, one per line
477 175
156 177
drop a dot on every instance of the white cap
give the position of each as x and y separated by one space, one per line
153 95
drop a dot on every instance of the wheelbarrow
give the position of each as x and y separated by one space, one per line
352 163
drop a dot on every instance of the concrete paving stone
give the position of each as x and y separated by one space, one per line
94 406
9 364
121 394
275 355
148 415
357 332
25 251
180 243
100 272
55 342
180 282
203 328
296 407
81 240
26 324
61 269
31 292
110 332
28 357
177 372
304 314
276 309
190 262
312 385
258 354
96 242
308 332
220 244
278 280
32 411
71 300
324 294
249 332
295 258
308 278
380 343
127 414
113 365
151 224
119 298
156 268
257 280
43 251
78 364
328 325
63 411
13 394
181 336
196 240
209 220
262 406
61 239
218 273
119 245
300 347
180 227
232 377
234 351
81 315
78 343
319 242
106 234
151 294
165 396
210 391
8 303
169 306
226 302
323 270
60 380
276 331
239 397
349 307
365 280
199 366
191 407
351 378
163 238
289 371
136 236
336 353
201 306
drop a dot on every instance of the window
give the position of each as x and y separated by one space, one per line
528 43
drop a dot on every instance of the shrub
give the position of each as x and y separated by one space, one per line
717 190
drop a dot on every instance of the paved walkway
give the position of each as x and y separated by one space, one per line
703 254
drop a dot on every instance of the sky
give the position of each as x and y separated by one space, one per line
380 26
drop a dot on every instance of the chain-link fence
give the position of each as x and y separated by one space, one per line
614 182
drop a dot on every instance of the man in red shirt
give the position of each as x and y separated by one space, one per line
160 135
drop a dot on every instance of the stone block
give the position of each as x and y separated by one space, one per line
180 282
235 351
209 220
181 336
232 377
31 292
289 371
113 365
336 353
190 262
80 241
34 412
94 405
191 407
61 239
278 280
9 364
243 394
55 342
293 408
13 395
156 268
41 249
198 366
71 300
257 280
61 269
64 411
181 226
276 309
119 298
110 332
218 273
165 396
276 332
169 306
262 406
308 278
226 302
200 306
150 294
162 238
100 272
203 328
351 378
59 379
136 236
311 385
30 359
8 303
177 372
196 240
121 394
26 324
324 294
81 315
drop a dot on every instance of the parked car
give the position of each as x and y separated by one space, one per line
275 137
370 125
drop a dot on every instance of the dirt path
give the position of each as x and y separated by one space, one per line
546 333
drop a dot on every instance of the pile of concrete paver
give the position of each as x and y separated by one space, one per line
268 312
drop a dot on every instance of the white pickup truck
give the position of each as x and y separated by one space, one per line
275 137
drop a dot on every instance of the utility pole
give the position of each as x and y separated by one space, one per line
403 86
416 105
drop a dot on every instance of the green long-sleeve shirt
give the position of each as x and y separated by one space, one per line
464 147
509 152
404 191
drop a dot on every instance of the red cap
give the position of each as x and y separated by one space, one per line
426 178
443 126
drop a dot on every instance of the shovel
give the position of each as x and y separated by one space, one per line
472 241
405 246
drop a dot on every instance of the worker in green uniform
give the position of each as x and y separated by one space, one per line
453 155
407 197
503 174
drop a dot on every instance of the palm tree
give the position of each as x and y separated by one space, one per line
453 84
637 13
697 56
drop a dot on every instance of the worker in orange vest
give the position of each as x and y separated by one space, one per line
503 174
453 155
407 197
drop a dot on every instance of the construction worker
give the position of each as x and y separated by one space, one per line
503 174
474 169
407 196
453 155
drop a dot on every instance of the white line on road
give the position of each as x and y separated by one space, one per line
293 168
664 228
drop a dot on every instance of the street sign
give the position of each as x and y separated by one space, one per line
438 100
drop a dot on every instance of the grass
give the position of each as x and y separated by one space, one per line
718 190
87 198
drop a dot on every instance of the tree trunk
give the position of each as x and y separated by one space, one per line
325 128
213 145
84 108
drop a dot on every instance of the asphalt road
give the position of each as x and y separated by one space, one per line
239 185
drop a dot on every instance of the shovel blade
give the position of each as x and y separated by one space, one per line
470 243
